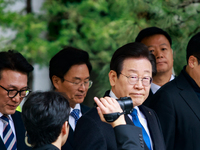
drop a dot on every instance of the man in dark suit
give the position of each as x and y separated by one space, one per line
130 75
159 44
69 71
177 103
14 70
45 116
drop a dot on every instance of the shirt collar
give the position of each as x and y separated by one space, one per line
9 116
155 87
77 106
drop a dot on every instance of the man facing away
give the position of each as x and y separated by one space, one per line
45 116
14 70
159 44
130 75
177 103
69 71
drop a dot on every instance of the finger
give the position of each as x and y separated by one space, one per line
109 100
101 114
99 103
116 105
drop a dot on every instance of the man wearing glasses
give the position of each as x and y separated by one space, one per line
14 70
131 70
69 71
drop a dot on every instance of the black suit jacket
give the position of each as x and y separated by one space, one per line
148 100
47 147
20 133
70 140
126 139
178 109
92 133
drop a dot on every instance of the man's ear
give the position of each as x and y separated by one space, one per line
112 77
65 128
56 81
192 61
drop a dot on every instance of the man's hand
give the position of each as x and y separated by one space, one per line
109 105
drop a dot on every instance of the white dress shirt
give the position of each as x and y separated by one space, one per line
141 117
71 119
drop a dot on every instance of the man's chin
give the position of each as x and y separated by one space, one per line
9 112
79 100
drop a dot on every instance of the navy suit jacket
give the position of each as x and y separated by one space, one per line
47 147
70 140
92 133
20 133
178 108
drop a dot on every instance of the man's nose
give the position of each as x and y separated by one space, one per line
17 98
158 53
82 87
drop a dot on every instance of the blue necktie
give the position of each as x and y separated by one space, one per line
75 114
8 135
138 124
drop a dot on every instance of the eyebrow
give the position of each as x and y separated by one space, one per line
135 71
77 78
159 45
12 86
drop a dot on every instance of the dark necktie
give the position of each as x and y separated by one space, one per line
8 136
138 124
75 114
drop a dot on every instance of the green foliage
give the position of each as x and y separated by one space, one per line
99 27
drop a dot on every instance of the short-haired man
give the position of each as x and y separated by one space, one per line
159 43
69 72
14 70
45 116
130 75
177 103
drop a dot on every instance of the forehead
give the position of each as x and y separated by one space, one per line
78 71
137 65
155 39
14 78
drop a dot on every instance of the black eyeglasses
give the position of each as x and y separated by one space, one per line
13 93
146 81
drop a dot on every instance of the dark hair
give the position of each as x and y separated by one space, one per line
193 47
13 60
131 50
150 32
44 114
64 59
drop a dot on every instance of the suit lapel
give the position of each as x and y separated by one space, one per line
188 94
70 138
84 108
153 126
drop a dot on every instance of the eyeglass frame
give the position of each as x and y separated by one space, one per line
74 83
16 91
151 79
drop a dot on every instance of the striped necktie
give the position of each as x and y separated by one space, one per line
75 114
8 136
138 124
